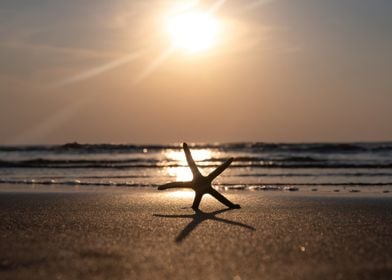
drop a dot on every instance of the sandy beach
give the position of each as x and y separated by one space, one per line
115 233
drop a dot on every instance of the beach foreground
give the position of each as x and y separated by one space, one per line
115 233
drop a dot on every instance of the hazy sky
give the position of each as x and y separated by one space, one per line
285 70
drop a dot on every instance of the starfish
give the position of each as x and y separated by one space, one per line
201 184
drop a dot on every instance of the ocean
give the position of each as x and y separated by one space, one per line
329 167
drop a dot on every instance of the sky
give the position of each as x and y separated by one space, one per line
97 71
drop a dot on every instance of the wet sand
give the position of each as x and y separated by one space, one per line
114 233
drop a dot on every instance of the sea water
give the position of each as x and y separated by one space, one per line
353 167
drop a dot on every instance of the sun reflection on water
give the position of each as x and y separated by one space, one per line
198 155
182 172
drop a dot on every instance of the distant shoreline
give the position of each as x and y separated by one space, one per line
280 190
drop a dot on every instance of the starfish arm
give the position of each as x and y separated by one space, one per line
220 169
175 185
196 201
223 199
191 162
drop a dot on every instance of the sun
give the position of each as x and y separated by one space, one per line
193 30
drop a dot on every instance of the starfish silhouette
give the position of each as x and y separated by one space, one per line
201 184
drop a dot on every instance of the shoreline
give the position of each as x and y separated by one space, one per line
355 191
123 233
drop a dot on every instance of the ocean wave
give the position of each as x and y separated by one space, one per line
75 182
155 163
274 159
76 147
335 174
252 147
79 163
228 186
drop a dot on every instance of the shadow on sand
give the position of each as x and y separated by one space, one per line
198 217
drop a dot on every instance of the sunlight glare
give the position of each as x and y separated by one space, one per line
192 30
180 173
198 155
182 194
183 173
